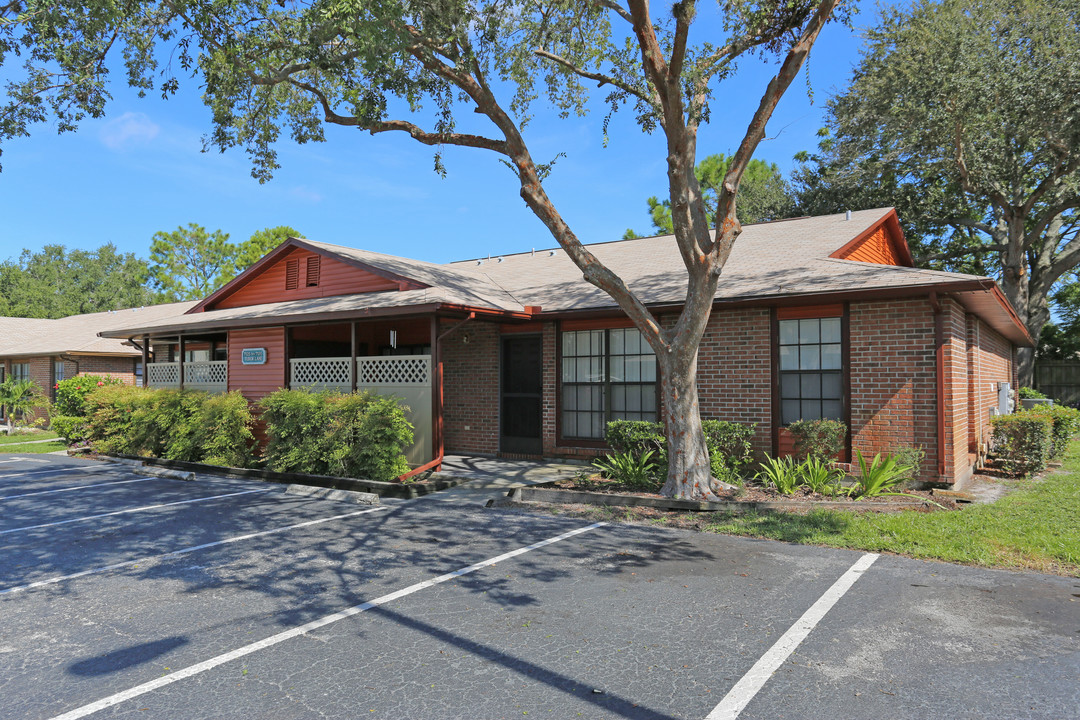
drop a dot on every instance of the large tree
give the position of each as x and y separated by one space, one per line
189 263
452 72
965 114
55 282
763 194
261 242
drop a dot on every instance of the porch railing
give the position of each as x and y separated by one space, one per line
393 370
206 375
321 373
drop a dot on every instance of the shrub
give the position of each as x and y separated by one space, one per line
174 424
1065 424
634 471
730 449
911 458
72 429
882 474
638 437
19 398
822 439
1022 441
781 473
71 393
354 435
819 476
1027 393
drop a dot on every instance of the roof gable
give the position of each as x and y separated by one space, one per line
297 270
882 244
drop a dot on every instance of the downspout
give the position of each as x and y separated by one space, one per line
939 350
437 382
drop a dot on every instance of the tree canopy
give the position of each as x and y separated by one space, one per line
462 73
56 282
965 114
763 195
189 263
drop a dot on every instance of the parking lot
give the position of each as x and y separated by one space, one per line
123 595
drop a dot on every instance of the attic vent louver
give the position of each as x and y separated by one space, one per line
551 253
292 274
313 264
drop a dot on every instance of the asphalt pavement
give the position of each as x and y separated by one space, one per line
130 596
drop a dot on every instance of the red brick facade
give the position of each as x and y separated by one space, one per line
41 369
892 371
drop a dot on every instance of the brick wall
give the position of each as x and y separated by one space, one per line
991 363
893 378
41 370
471 388
958 463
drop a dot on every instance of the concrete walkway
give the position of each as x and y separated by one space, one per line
490 477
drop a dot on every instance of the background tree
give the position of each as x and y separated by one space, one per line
261 242
452 72
19 397
190 263
763 195
965 114
1060 339
55 282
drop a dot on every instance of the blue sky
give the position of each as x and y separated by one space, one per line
141 170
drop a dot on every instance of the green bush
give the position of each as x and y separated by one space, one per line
1022 441
173 424
821 439
728 443
782 473
71 393
880 476
1027 393
320 433
1066 423
635 471
911 458
72 429
819 476
730 449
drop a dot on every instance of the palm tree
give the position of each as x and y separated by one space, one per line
19 397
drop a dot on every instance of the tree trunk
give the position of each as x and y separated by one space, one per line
689 475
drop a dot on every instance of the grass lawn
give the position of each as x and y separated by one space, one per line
1036 527
25 437
33 449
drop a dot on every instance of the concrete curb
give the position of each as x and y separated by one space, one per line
351 496
547 495
154 471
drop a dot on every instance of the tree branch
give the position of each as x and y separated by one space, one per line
600 78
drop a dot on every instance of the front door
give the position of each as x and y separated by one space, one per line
522 391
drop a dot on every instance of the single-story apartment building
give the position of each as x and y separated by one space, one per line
48 351
517 356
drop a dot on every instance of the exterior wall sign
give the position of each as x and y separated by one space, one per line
253 356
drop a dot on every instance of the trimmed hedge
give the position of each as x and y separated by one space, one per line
173 424
821 439
359 435
728 443
1066 423
1023 441
71 394
71 428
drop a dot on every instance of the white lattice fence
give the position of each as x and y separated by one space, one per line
394 370
321 373
164 374
209 373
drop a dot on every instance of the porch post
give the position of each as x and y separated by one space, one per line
181 361
436 394
352 351
146 361
288 356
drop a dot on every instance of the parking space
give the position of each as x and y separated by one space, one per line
271 605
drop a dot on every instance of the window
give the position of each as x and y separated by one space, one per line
138 373
58 370
292 274
312 268
606 375
20 371
811 373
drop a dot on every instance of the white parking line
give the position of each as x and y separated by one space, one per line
53 471
183 551
77 487
130 510
752 682
23 459
205 665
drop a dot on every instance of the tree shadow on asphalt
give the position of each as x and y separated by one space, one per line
126 657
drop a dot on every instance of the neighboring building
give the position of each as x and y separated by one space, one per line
518 356
47 351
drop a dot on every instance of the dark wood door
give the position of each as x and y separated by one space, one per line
522 392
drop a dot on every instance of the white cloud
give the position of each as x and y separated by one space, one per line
128 130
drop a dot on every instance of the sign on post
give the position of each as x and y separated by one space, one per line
253 356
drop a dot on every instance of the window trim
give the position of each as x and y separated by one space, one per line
841 310
582 325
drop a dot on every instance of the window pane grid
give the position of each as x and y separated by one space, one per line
606 375
811 382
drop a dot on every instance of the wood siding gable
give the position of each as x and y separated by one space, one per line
294 271
882 244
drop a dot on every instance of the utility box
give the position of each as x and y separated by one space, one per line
1004 403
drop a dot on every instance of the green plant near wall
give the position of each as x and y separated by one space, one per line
71 393
822 439
635 471
1065 423
19 397
820 476
1027 393
731 451
781 473
1023 441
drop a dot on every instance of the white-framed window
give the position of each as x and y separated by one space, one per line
606 375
